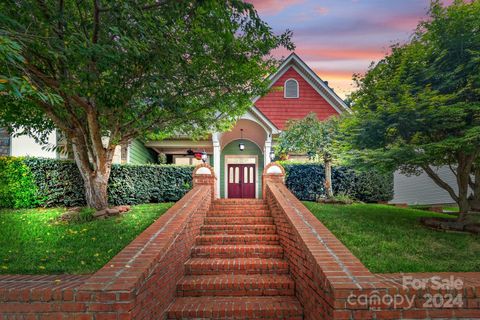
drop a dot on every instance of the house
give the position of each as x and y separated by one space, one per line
239 155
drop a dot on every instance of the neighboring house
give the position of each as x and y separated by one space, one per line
25 146
421 189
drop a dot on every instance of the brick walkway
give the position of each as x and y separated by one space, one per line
237 267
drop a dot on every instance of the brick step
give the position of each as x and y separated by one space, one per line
209 266
238 201
238 239
239 207
237 229
238 251
239 213
236 285
238 220
235 308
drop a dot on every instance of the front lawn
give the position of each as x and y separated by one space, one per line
388 239
33 242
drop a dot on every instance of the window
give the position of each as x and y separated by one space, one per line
291 89
188 161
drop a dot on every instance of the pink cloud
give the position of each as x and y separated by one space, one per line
269 7
321 10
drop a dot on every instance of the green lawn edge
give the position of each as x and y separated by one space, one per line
33 241
387 239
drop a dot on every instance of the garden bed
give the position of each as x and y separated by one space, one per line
35 241
388 239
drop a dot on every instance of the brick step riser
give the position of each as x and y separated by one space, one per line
238 230
229 292
239 202
235 207
237 254
240 220
236 214
216 269
239 241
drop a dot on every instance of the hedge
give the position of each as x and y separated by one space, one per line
50 182
306 181
30 182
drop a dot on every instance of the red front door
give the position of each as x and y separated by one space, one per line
241 181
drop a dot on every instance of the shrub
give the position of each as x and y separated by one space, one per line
51 182
17 187
306 181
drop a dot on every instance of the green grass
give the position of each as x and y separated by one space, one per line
33 242
388 239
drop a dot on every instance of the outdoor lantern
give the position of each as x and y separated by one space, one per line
272 155
241 146
204 156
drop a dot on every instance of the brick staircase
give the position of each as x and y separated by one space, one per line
237 268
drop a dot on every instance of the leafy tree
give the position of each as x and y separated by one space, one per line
107 72
315 138
419 107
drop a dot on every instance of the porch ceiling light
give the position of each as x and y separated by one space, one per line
241 145
204 156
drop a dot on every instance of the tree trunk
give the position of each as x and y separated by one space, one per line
96 191
475 185
463 178
95 170
328 177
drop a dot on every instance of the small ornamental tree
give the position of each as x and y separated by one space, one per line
315 138
107 72
419 107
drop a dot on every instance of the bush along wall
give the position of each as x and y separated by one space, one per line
306 181
50 182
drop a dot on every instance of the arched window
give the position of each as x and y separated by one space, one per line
291 89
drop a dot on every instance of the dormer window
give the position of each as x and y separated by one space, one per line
291 89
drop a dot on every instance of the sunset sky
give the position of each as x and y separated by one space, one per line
337 38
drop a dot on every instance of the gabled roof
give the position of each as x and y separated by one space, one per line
293 60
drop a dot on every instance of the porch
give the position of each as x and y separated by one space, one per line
238 155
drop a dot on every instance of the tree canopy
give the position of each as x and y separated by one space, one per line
318 139
419 107
117 70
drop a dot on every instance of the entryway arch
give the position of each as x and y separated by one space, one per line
231 155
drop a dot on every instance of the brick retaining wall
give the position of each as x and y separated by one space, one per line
329 278
138 283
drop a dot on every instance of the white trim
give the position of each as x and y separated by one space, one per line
319 92
297 95
225 171
259 117
217 154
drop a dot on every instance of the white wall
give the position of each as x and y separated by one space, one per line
23 145
421 189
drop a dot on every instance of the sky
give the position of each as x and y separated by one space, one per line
338 38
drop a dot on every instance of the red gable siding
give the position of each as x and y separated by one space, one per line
278 109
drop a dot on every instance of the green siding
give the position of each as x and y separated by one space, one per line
250 149
139 154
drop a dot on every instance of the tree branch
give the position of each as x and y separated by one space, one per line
442 184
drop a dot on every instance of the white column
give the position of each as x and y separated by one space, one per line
268 148
216 159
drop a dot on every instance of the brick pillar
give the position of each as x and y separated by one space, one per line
273 172
203 174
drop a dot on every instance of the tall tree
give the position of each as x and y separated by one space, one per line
419 107
315 138
107 72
